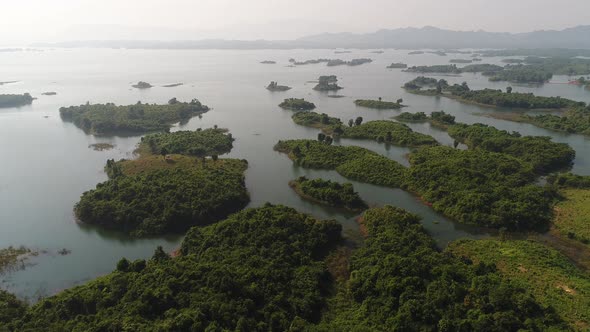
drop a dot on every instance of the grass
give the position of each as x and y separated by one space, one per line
572 215
551 277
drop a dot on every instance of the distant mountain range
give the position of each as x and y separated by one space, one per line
426 37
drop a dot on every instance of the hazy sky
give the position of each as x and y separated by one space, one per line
38 20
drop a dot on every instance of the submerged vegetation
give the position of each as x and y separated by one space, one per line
329 193
296 104
15 100
109 118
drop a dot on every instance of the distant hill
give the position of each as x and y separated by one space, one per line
426 37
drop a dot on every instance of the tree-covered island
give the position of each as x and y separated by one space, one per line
379 104
103 119
274 86
327 83
297 104
329 193
15 100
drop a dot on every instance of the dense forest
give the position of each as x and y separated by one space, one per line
199 143
389 132
274 269
15 100
296 104
474 186
113 119
153 195
544 155
576 120
329 193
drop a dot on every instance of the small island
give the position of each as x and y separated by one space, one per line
397 65
327 83
438 119
142 85
173 85
51 93
274 86
199 143
353 62
268 62
167 193
416 52
103 119
316 120
329 193
379 104
297 104
15 100
440 69
460 61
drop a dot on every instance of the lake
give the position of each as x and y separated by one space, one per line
47 163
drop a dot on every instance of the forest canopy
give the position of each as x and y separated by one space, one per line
200 143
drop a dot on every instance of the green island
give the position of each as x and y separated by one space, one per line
489 97
438 119
551 278
473 186
309 62
142 85
353 62
297 104
443 69
199 143
327 83
416 52
380 130
329 193
268 62
486 69
397 65
274 86
168 193
460 61
103 119
352 162
522 74
15 100
576 120
275 269
544 155
379 104
50 93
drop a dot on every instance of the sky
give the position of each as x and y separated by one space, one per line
58 20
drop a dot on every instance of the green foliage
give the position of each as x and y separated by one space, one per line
481 68
569 180
420 82
198 143
576 120
517 100
390 132
522 74
165 197
378 104
400 281
329 193
550 276
10 309
316 120
353 162
110 118
259 270
561 65
445 69
479 187
544 155
397 65
297 104
412 117
15 100
442 117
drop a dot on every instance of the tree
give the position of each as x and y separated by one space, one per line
358 121
160 255
214 157
399 101
172 101
350 122
509 89
379 98
338 131
455 144
297 152
388 136
329 140
164 152
321 137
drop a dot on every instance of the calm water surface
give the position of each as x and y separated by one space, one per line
47 164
